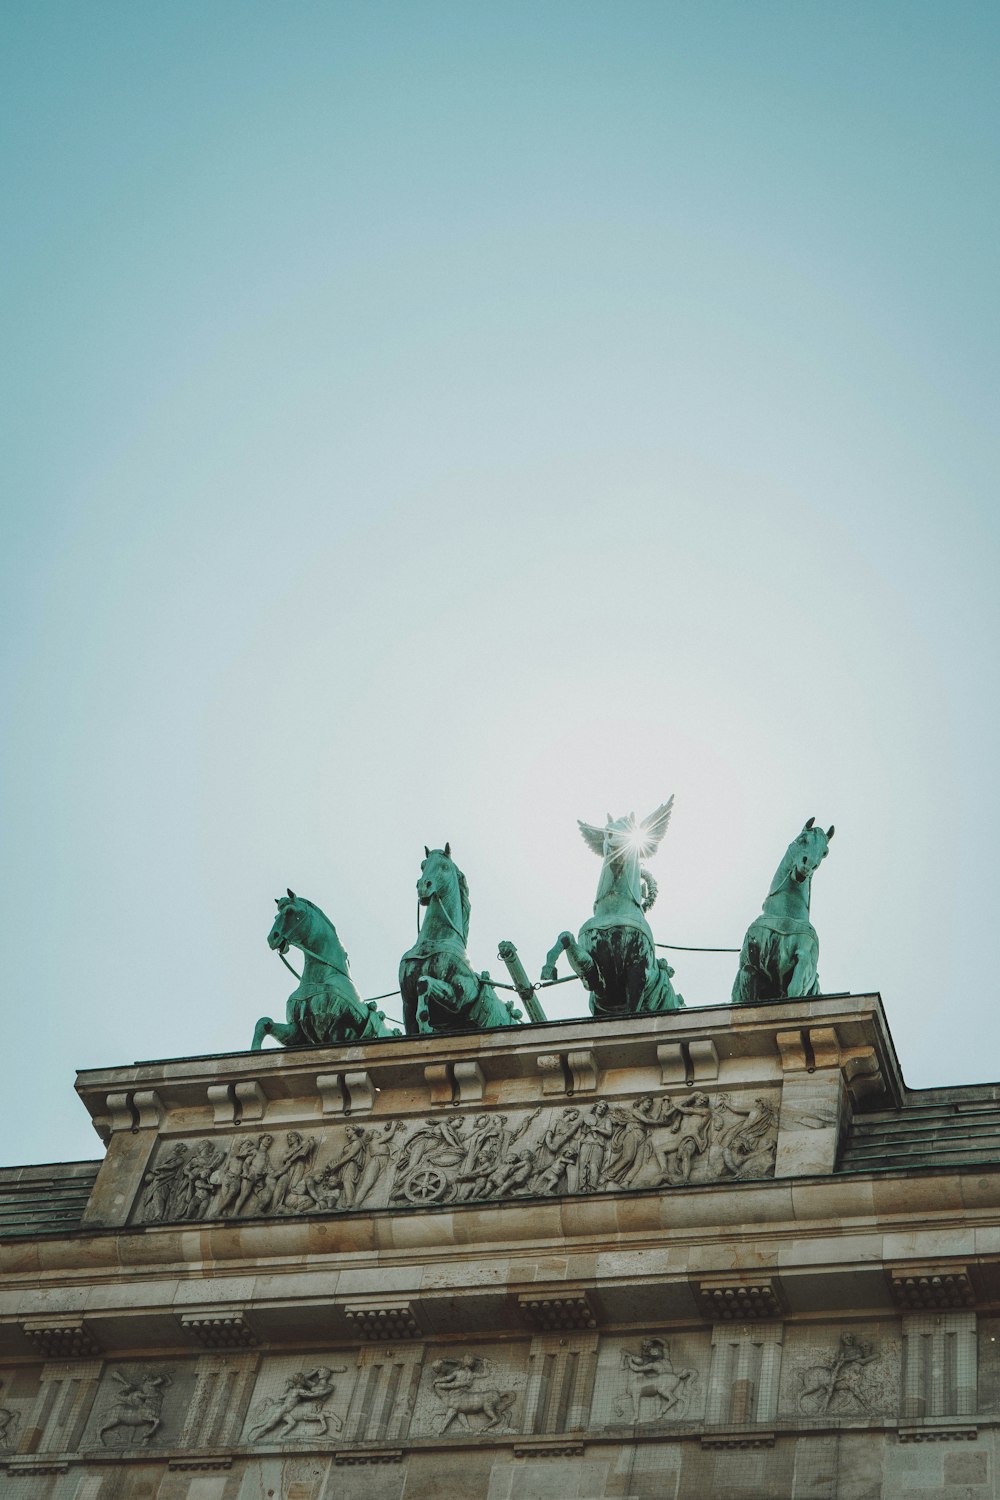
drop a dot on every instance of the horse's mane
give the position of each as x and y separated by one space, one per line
318 910
463 891
304 901
781 872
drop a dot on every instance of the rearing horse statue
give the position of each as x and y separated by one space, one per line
781 950
441 991
614 954
325 1008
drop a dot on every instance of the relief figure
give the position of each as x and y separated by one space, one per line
301 1405
161 1184
9 1423
596 1134
428 1161
686 1137
557 1155
631 1148
228 1179
381 1150
197 1188
461 1389
139 1405
740 1137
838 1384
291 1170
652 1378
257 1187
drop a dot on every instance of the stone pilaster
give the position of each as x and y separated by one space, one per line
62 1407
223 1387
940 1364
385 1393
744 1374
561 1371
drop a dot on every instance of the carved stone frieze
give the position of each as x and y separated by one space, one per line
657 1141
132 1405
653 1381
653 1389
851 1379
471 1395
10 1424
134 1415
301 1411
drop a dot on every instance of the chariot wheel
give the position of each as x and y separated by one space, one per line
426 1184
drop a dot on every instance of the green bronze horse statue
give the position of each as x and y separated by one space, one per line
781 950
614 954
325 1008
441 991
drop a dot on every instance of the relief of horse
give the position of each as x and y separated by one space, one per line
781 950
325 1008
441 991
652 1378
614 954
462 1392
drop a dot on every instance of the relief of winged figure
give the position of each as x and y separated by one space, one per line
614 953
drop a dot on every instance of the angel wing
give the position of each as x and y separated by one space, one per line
653 828
592 837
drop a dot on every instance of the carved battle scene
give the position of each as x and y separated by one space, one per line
656 1141
853 1372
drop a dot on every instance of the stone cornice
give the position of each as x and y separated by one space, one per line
304 1084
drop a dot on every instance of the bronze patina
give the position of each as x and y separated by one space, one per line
781 950
326 1007
614 954
441 991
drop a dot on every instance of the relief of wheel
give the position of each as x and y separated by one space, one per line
426 1184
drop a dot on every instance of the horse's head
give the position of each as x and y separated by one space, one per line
438 875
288 921
806 853
441 879
621 839
622 844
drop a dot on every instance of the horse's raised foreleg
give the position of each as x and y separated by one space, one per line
288 1035
580 960
438 991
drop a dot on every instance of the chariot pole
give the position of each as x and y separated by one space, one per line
508 956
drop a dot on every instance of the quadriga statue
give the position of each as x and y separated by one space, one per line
441 991
614 954
781 950
325 1008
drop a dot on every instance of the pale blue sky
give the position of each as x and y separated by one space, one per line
432 422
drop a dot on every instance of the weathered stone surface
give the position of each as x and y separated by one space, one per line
649 1320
